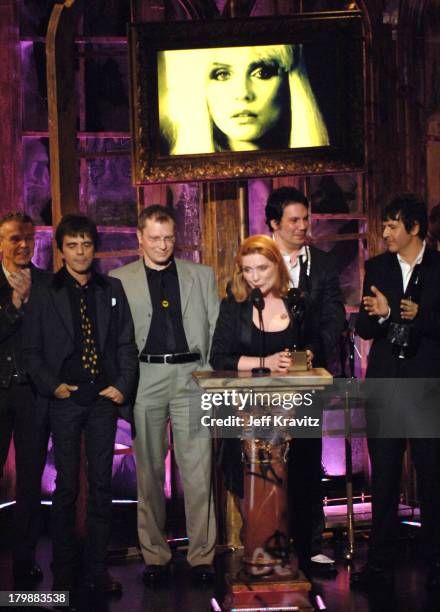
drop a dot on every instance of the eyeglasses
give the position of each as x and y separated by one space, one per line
156 240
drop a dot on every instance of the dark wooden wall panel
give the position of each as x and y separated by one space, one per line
10 120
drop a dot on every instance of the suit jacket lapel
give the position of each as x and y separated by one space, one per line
61 302
394 279
140 300
186 282
302 281
245 323
103 312
427 278
3 281
427 260
141 284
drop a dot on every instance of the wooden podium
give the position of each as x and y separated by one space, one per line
269 576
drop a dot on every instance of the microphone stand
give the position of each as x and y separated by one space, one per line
348 446
351 349
258 302
295 302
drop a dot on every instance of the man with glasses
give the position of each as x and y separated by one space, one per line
174 304
19 413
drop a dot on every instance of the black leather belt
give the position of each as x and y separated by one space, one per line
170 358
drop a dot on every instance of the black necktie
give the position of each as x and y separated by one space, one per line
301 272
165 305
90 356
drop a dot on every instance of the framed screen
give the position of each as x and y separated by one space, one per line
247 97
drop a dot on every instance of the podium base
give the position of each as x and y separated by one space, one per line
258 594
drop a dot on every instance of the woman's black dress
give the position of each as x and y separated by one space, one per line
236 335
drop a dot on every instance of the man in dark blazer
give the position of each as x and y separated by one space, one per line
19 414
400 312
80 353
312 271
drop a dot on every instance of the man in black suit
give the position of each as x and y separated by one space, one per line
400 312
312 271
80 352
19 414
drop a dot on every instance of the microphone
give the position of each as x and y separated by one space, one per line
256 297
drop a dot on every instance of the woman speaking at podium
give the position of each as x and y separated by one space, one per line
259 265
259 286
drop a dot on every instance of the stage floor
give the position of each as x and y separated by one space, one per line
181 595
336 514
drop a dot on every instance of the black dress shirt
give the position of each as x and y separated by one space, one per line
72 370
166 330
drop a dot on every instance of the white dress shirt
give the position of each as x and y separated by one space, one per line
294 269
407 269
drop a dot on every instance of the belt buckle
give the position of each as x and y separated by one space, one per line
166 356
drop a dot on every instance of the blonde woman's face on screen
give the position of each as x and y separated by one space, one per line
244 95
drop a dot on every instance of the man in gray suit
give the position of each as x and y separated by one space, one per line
174 304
